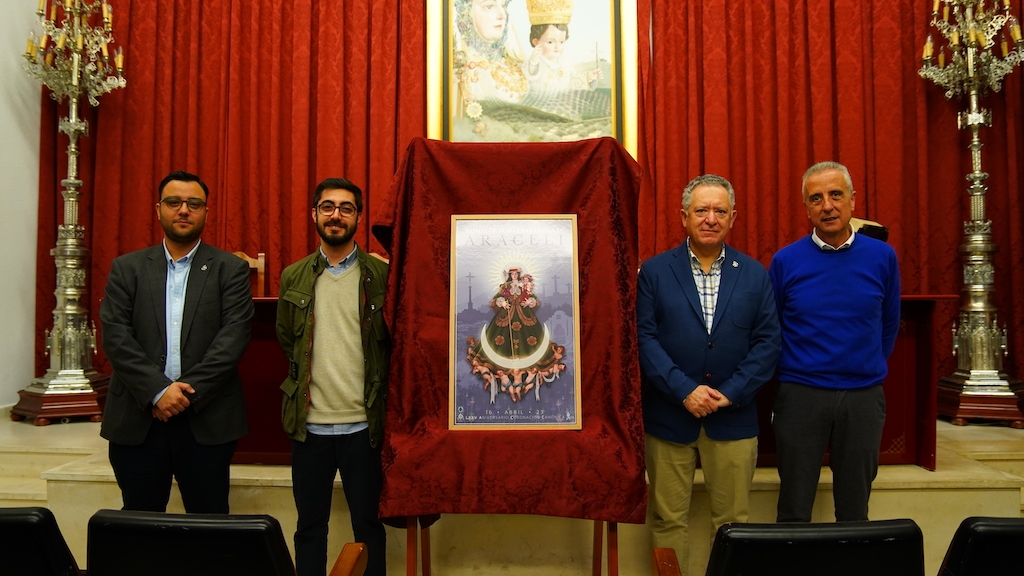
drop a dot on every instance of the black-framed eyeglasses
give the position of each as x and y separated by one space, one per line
174 203
327 208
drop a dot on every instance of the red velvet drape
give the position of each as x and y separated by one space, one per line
263 98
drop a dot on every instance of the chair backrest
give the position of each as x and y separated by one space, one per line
259 266
123 542
31 544
879 548
352 560
985 546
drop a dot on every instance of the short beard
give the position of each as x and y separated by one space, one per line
172 233
339 240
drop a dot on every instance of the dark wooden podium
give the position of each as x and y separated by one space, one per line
263 368
910 401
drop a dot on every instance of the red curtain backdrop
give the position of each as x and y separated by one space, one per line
263 98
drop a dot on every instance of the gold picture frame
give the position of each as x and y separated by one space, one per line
505 91
514 346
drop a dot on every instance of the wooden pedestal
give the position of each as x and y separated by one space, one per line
961 406
45 408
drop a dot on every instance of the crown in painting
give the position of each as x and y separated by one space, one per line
549 11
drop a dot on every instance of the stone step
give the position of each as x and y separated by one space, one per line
18 492
31 461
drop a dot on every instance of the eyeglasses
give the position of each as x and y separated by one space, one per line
327 208
174 203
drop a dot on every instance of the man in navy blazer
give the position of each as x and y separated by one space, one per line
709 338
176 320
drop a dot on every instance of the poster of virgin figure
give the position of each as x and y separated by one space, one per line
514 323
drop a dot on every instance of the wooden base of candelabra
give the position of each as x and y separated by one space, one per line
45 407
961 403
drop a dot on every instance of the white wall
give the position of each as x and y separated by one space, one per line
19 199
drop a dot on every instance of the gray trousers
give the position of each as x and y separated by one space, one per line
808 420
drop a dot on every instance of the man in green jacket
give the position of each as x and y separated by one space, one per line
334 394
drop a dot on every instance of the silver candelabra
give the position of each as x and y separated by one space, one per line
73 58
978 44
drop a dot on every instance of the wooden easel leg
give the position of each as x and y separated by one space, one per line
598 546
410 546
613 549
425 550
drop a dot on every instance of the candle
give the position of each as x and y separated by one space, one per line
42 6
1015 32
49 57
80 39
926 54
1003 44
67 4
43 42
945 13
53 12
935 7
942 58
103 49
28 46
60 41
972 35
954 40
106 11
119 60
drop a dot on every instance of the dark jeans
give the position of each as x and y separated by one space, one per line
314 464
808 420
144 472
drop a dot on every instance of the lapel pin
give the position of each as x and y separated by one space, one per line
205 266
735 264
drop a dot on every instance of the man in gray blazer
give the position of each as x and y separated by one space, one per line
176 319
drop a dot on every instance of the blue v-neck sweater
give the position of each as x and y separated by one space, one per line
839 310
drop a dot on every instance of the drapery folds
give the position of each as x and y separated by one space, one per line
263 98
759 90
429 469
260 98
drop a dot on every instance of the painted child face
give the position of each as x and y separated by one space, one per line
551 43
489 17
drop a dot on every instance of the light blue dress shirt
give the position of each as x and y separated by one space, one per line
177 281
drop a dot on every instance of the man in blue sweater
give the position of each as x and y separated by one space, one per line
709 339
838 297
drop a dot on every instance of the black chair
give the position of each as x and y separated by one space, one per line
986 546
31 544
879 548
123 542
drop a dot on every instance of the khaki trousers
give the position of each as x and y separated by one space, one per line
728 467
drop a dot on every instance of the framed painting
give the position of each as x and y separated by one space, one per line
514 323
531 70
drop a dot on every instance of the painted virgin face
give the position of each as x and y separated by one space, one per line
489 18
551 43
